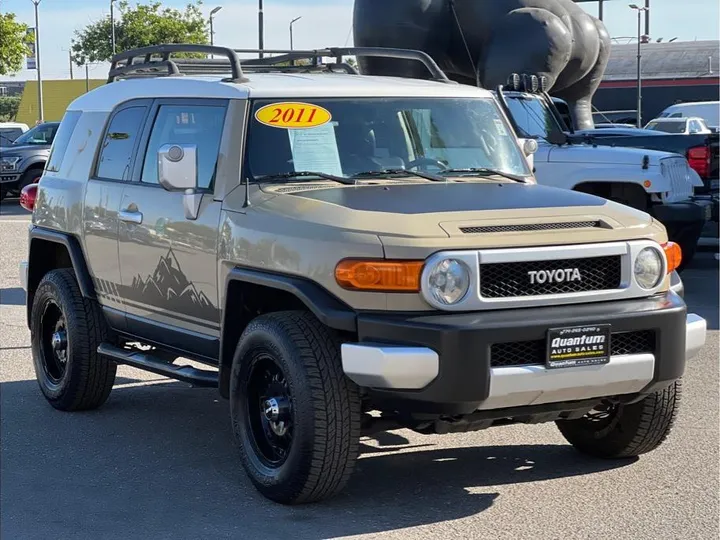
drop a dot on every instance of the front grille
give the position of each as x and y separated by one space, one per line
507 280
530 353
677 170
531 227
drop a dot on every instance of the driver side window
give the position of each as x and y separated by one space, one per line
201 125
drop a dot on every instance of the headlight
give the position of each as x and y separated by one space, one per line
648 268
449 281
9 163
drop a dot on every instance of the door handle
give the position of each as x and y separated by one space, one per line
131 217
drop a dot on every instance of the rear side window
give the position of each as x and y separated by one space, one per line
62 139
201 125
119 142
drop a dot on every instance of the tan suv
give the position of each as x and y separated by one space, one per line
347 254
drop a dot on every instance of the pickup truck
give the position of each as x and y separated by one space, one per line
22 161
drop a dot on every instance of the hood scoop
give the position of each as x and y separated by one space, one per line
532 227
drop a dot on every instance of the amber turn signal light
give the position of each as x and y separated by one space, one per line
673 254
387 276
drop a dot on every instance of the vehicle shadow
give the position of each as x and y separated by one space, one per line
11 207
159 461
13 296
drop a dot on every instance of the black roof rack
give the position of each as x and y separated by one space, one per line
155 61
123 65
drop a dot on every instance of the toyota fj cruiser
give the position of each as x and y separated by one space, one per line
349 254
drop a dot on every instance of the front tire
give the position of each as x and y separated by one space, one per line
622 431
295 416
65 331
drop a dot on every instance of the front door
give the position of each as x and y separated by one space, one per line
168 263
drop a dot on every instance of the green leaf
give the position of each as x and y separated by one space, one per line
13 47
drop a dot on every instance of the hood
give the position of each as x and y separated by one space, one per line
23 149
606 155
447 215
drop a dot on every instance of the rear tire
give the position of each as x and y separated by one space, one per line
626 430
295 415
66 329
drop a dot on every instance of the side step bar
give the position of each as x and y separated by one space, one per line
148 362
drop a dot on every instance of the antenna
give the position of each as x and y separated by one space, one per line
247 192
467 48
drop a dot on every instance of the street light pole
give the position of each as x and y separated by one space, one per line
639 60
261 29
291 30
212 29
41 112
112 25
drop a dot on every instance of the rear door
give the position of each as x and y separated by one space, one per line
168 263
102 202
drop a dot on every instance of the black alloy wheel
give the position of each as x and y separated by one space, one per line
269 409
54 342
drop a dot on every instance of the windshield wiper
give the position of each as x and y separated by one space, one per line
484 171
304 174
405 172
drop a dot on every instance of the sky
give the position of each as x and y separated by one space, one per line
324 23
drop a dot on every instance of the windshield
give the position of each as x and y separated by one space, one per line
532 116
667 127
8 135
358 135
41 135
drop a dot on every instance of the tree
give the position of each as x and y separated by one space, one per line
13 47
140 26
9 107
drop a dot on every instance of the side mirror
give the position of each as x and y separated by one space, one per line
529 147
178 171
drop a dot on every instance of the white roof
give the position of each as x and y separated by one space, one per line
269 85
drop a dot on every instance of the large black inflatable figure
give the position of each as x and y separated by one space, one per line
484 41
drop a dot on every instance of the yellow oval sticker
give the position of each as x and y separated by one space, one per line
293 115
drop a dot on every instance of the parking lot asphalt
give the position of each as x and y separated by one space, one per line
158 461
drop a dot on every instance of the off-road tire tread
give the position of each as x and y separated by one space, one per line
93 376
335 401
645 426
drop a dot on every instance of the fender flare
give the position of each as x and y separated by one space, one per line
77 258
329 310
34 161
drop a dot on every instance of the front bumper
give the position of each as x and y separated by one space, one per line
442 364
9 177
695 211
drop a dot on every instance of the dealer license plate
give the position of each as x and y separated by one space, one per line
575 346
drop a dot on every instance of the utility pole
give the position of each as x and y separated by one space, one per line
600 9
112 25
261 29
291 30
71 69
639 58
41 113
87 78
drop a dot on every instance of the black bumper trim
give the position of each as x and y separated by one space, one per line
463 342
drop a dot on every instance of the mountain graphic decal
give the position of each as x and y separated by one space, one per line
168 288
